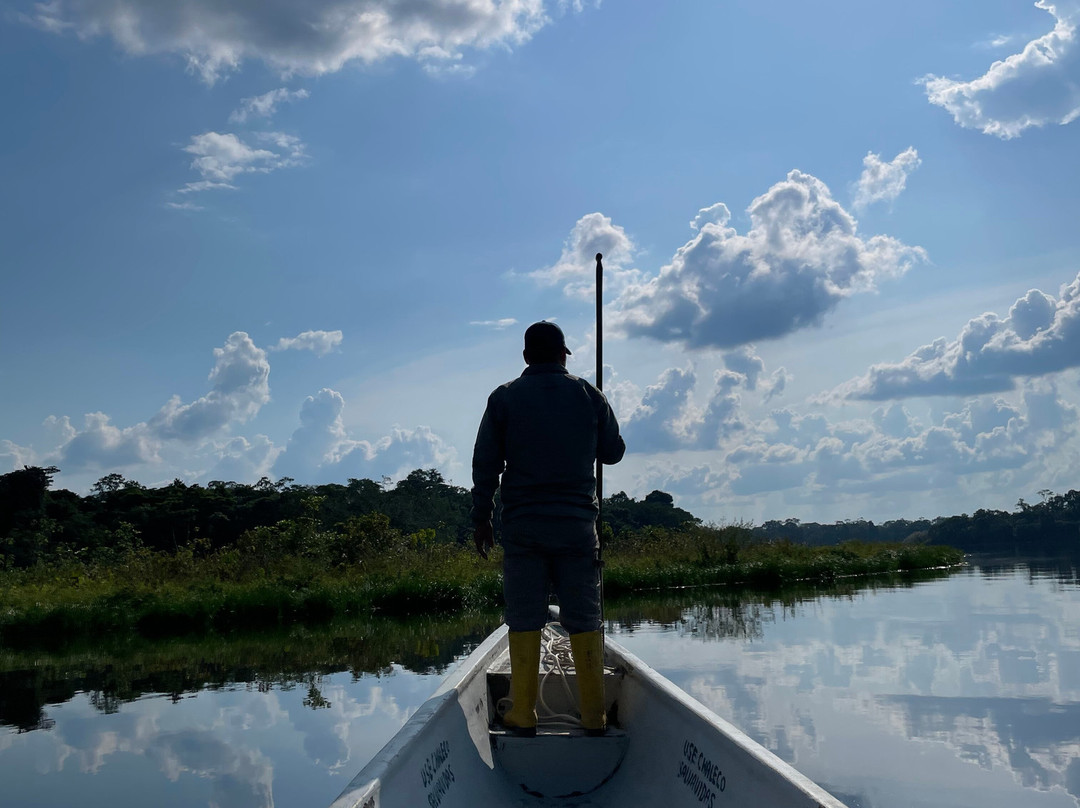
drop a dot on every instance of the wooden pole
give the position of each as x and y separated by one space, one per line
600 386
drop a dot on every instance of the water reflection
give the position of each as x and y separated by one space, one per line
31 679
241 777
959 692
277 720
949 691
1038 738
722 612
235 747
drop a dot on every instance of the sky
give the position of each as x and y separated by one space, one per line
304 239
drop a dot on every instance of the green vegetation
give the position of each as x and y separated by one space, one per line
39 525
1050 527
283 574
695 555
289 572
186 560
721 612
122 668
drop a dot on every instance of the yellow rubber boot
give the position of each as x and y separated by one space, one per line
588 650
524 679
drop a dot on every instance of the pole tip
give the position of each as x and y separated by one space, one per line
599 256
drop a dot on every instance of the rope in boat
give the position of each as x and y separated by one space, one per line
556 660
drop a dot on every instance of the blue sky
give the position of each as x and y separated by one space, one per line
304 239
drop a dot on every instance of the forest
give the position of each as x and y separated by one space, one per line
38 524
1047 527
126 560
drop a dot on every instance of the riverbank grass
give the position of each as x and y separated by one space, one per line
657 558
279 578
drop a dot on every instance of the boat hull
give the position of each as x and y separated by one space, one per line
668 750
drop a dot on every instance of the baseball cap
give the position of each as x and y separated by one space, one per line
544 338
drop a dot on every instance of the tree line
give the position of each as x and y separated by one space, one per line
39 524
127 560
1049 526
42 525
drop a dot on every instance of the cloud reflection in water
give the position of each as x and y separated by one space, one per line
958 692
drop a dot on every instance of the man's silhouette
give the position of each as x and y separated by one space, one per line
542 433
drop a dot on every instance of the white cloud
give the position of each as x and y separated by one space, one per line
718 450
987 434
776 383
60 428
895 421
883 182
197 440
196 187
658 423
801 431
46 17
290 143
722 416
400 452
576 268
220 158
243 460
100 445
665 417
759 467
1038 86
743 360
677 479
622 394
1041 335
498 325
318 342
265 105
799 259
311 37
321 448
716 213
321 438
14 457
241 386
996 41
819 460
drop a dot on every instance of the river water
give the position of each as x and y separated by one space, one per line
954 692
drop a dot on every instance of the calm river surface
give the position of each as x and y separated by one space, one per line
960 691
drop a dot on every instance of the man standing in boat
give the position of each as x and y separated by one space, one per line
543 433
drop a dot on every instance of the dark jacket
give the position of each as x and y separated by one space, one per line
543 432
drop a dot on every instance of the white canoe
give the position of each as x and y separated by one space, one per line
665 748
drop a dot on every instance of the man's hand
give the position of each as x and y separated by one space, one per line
484 537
